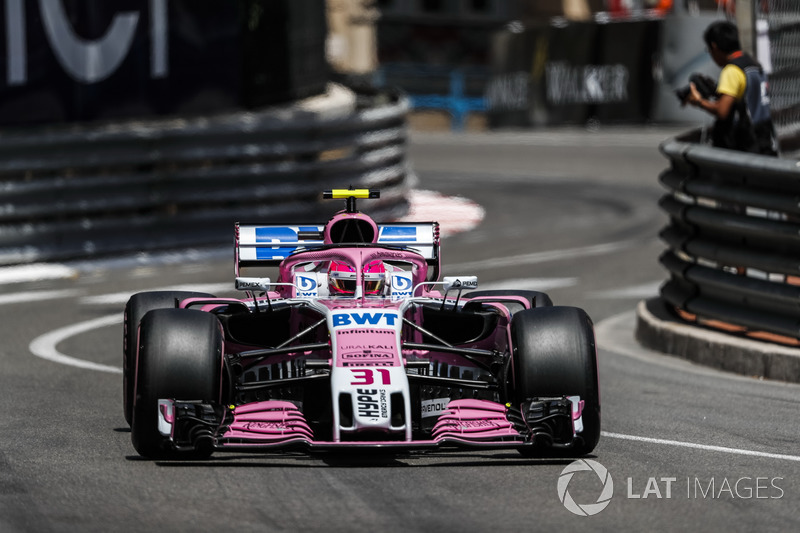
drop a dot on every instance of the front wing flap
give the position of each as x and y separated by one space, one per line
542 422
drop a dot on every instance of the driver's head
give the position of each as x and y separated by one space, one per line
342 278
374 277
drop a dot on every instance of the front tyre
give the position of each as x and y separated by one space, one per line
139 305
179 357
555 355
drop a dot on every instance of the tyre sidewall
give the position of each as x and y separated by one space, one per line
179 357
555 355
137 306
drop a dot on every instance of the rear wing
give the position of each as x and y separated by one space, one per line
267 245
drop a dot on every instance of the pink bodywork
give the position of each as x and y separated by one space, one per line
280 423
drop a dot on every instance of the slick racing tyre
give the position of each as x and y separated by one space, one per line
180 357
555 355
138 305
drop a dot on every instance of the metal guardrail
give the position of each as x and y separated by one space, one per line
734 236
83 191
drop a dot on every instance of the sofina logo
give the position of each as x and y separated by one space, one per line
588 509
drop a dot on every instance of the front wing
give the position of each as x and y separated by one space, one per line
273 424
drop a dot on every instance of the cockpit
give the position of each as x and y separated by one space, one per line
340 278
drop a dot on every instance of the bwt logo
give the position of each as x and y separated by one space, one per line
306 285
401 283
344 320
85 61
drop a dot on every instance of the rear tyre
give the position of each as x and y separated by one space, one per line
555 355
180 357
139 305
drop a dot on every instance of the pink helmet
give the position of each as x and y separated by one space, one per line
342 278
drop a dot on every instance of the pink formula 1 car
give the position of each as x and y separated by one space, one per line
356 344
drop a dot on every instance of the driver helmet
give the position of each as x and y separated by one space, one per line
342 278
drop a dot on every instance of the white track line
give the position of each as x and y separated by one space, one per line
36 272
614 335
535 284
122 297
45 346
705 447
551 255
38 296
646 290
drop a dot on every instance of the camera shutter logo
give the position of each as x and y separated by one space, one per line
588 509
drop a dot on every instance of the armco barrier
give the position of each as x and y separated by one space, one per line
733 236
80 191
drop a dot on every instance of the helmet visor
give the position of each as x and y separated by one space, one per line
343 283
374 283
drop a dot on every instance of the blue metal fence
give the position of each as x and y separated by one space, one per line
458 91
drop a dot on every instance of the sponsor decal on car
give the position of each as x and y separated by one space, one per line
434 407
372 403
398 233
280 234
367 347
366 332
367 363
366 355
355 319
306 285
251 426
402 285
475 424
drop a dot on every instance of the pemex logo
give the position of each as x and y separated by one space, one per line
587 509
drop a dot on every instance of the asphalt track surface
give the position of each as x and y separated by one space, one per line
568 211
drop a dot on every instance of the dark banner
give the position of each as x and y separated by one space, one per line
573 74
81 60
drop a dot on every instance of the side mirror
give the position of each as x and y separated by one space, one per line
252 284
460 283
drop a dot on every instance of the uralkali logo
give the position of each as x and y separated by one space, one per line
586 509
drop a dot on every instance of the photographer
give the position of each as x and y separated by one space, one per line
741 103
